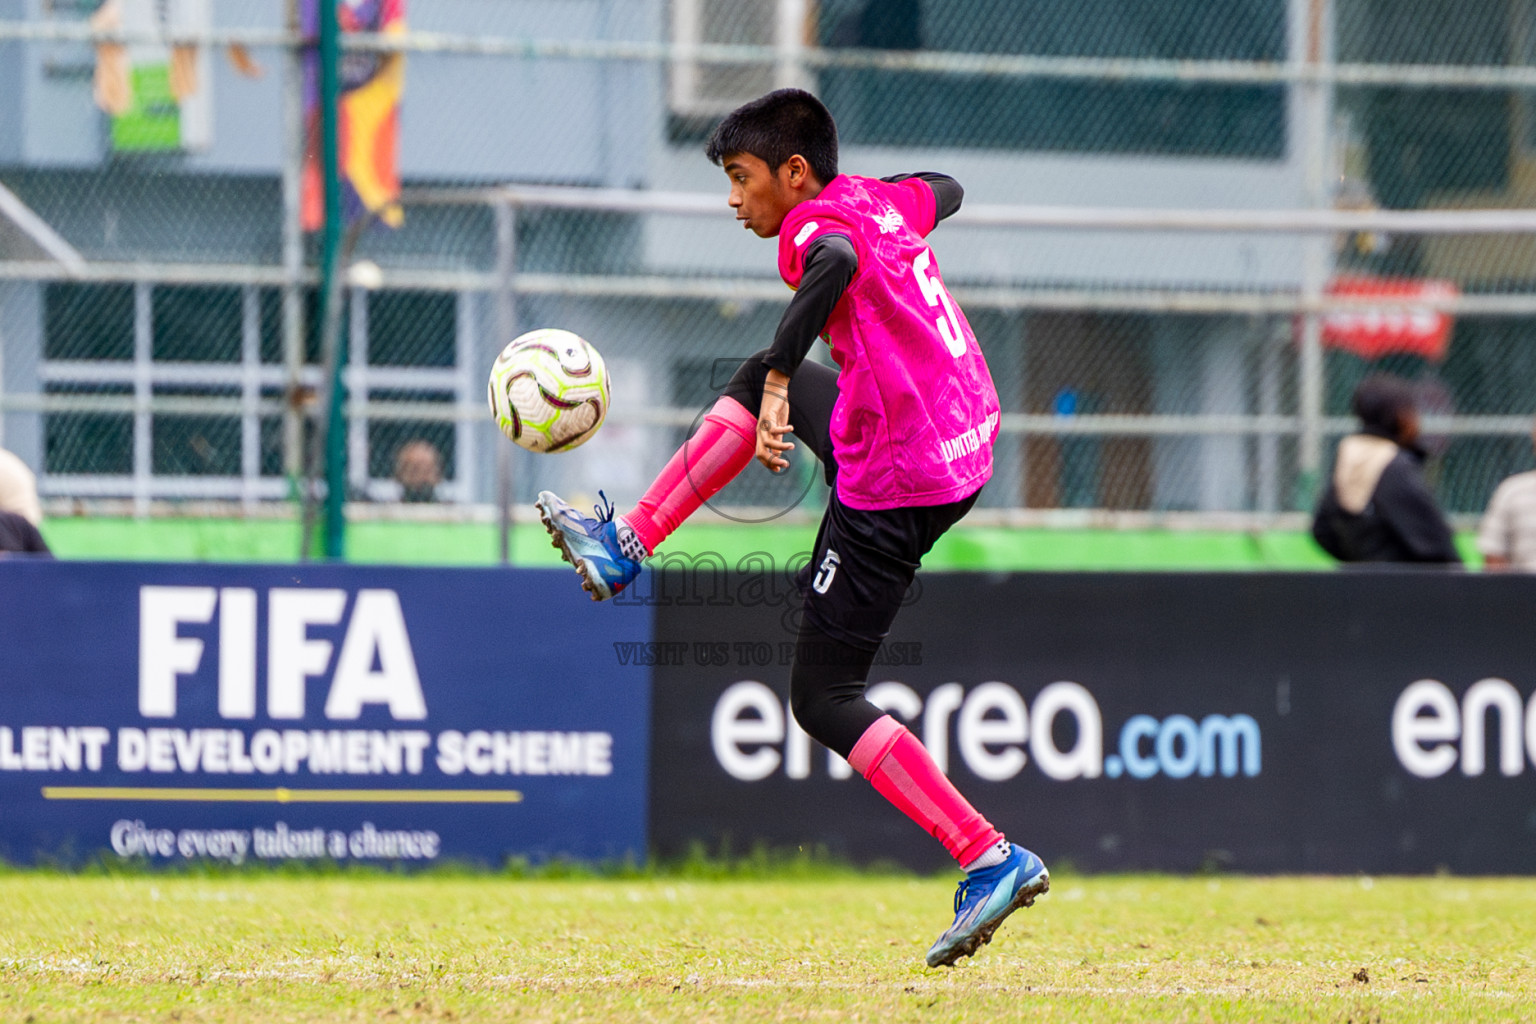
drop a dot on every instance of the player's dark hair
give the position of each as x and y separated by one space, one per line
1381 401
774 128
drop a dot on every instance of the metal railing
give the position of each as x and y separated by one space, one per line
507 285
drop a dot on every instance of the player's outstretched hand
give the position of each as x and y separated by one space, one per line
772 426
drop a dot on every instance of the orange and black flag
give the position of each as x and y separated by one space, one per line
368 119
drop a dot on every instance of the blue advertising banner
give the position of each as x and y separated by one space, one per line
1374 720
243 714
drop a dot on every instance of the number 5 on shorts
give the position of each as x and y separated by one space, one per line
936 294
825 572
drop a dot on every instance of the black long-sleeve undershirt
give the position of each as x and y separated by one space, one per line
947 193
830 264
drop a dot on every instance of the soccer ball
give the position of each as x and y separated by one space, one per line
549 390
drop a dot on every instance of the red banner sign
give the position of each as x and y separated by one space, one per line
1395 328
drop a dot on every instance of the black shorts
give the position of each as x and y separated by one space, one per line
864 562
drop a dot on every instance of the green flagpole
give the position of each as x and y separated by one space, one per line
334 339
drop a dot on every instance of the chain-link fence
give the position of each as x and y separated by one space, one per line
158 337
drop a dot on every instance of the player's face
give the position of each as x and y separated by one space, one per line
760 196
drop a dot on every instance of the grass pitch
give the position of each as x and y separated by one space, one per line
829 947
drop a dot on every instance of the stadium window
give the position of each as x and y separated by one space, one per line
195 445
696 383
1523 54
110 343
410 356
876 107
412 328
88 442
1082 364
196 324
1423 143
88 321
1490 370
270 318
578 242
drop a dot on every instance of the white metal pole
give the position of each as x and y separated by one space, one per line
684 71
789 42
469 390
1272 345
506 325
250 396
1317 96
357 387
143 396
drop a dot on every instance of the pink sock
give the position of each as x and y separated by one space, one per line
707 461
891 757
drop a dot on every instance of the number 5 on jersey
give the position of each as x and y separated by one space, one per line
938 297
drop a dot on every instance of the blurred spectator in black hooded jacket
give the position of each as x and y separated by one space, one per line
18 534
1377 507
20 511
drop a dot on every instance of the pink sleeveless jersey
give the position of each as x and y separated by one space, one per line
916 412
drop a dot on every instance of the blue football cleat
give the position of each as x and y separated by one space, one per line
984 899
606 561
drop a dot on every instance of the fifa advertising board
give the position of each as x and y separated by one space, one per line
166 713
1321 722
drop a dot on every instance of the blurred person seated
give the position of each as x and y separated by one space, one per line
419 470
19 535
1377 507
18 488
1508 535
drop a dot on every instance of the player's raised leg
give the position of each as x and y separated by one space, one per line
608 550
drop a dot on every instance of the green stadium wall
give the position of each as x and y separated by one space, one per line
980 548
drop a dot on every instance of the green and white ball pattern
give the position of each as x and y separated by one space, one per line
549 390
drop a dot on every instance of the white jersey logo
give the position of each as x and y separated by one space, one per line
890 221
806 232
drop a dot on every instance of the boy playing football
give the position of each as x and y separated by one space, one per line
904 428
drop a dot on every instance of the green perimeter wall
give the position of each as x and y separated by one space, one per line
995 549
